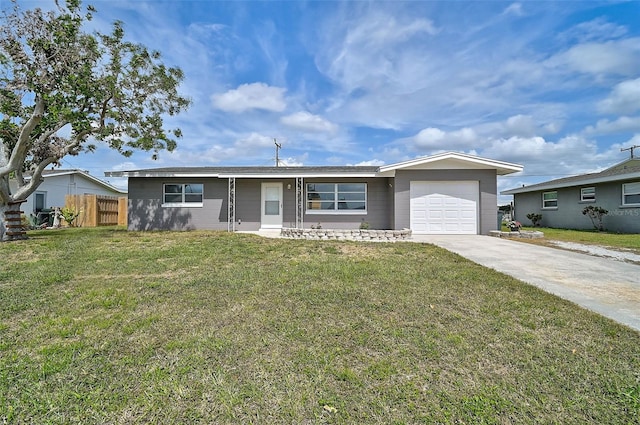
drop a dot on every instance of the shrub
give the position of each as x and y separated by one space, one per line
69 215
535 218
595 214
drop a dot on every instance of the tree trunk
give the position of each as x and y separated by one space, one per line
11 222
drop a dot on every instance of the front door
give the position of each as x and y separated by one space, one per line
40 202
271 216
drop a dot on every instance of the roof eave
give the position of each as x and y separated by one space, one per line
293 175
87 176
236 175
501 167
596 180
157 174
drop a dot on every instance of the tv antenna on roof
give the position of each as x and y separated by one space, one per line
631 148
278 147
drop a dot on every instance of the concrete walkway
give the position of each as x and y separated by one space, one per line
603 285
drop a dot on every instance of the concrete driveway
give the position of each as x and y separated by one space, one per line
606 286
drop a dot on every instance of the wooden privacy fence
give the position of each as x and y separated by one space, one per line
98 210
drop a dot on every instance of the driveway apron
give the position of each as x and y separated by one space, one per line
608 287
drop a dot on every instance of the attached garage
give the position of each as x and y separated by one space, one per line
444 207
446 193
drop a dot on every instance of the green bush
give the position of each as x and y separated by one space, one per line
535 218
596 214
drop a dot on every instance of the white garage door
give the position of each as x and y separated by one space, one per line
441 208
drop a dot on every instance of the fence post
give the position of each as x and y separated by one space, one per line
122 211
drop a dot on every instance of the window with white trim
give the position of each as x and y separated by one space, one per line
588 194
550 199
182 194
631 194
336 198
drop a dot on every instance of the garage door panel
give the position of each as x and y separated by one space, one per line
467 215
444 207
451 214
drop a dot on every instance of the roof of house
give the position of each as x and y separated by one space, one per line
85 174
447 160
626 170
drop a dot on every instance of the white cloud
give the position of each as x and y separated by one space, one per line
373 50
612 57
624 98
619 125
435 138
634 141
447 78
124 166
598 29
516 125
384 30
514 140
293 162
569 155
523 126
514 9
253 148
308 122
251 96
370 163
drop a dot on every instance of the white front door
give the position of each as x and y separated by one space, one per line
271 215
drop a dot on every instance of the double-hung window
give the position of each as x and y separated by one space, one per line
550 199
182 194
588 194
631 194
336 198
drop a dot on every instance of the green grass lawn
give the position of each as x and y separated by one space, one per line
106 326
588 237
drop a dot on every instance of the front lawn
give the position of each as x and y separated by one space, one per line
623 241
107 326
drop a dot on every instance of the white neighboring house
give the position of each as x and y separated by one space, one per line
59 183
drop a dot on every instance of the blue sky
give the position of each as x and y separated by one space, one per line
554 86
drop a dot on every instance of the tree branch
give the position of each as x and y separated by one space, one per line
36 178
22 146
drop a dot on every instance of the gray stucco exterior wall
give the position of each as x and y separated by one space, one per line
487 210
388 202
568 214
147 213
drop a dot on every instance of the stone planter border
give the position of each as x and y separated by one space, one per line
346 234
525 234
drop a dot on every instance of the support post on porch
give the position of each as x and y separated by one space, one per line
299 202
231 214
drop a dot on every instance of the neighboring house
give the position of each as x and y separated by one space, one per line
561 201
59 183
445 193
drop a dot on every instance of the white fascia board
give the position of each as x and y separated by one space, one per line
575 183
85 175
293 176
103 183
157 174
55 173
501 166
386 173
